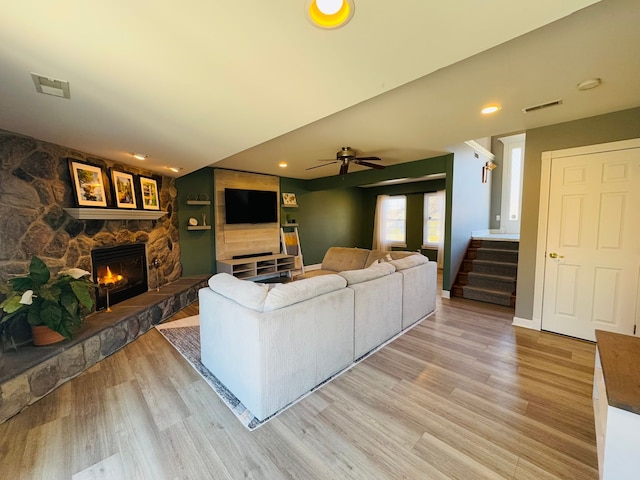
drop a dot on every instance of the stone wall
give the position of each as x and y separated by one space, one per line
35 187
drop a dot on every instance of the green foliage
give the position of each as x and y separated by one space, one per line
60 303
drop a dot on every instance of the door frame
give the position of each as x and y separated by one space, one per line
543 215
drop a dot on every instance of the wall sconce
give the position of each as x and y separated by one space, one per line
486 168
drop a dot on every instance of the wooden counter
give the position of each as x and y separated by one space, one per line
616 405
620 358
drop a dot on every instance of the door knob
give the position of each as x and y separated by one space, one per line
555 255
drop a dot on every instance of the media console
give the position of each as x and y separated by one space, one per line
255 268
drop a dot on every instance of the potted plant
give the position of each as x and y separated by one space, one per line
59 304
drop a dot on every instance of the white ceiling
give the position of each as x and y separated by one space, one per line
247 84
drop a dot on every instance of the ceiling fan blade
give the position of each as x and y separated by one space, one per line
343 168
317 166
368 158
371 165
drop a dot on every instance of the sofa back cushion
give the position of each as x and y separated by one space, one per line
409 261
365 274
340 259
286 294
248 294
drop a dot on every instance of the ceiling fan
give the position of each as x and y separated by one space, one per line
346 156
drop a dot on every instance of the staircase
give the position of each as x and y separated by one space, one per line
488 272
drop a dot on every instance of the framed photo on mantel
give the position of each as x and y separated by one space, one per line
123 189
88 184
149 193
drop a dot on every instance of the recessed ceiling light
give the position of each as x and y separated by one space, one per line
174 169
282 164
489 109
140 156
329 13
589 84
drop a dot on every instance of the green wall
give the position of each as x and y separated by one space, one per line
622 125
326 218
197 247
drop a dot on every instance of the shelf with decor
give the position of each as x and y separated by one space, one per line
198 200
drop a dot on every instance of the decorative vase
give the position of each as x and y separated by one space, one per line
43 335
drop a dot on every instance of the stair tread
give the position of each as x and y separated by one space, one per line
488 290
493 262
506 278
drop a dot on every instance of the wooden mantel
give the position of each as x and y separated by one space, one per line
114 214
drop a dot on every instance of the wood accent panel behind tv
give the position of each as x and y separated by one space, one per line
244 239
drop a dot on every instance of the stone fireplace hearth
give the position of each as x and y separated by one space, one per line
30 373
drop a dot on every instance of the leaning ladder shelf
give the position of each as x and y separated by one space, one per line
291 246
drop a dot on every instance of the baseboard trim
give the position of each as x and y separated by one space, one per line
446 294
535 324
308 268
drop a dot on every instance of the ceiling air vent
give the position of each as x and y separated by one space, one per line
51 86
541 106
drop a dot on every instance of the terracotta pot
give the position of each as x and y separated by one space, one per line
43 335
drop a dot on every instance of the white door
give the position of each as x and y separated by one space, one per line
592 264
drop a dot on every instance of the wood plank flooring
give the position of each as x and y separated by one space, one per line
464 395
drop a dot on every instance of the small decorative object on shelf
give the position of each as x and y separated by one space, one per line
198 199
193 222
204 219
289 200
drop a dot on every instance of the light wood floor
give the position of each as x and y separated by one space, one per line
464 395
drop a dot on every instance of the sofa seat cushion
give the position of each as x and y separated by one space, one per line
409 261
340 259
248 294
365 274
287 294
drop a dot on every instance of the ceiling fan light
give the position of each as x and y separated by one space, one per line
329 13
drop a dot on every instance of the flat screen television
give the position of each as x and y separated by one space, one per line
250 206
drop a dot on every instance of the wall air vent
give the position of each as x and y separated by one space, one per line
541 106
51 86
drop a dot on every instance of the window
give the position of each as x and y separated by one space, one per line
395 220
433 218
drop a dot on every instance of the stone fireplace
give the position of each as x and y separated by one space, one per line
38 217
120 273
35 194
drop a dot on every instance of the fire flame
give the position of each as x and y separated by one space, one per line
110 277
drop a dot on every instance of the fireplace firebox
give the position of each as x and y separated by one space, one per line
120 273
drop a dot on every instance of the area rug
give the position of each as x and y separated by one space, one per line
184 336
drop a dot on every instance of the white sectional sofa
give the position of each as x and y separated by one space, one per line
270 345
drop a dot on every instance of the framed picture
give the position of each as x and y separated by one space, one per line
289 200
88 184
123 189
149 193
